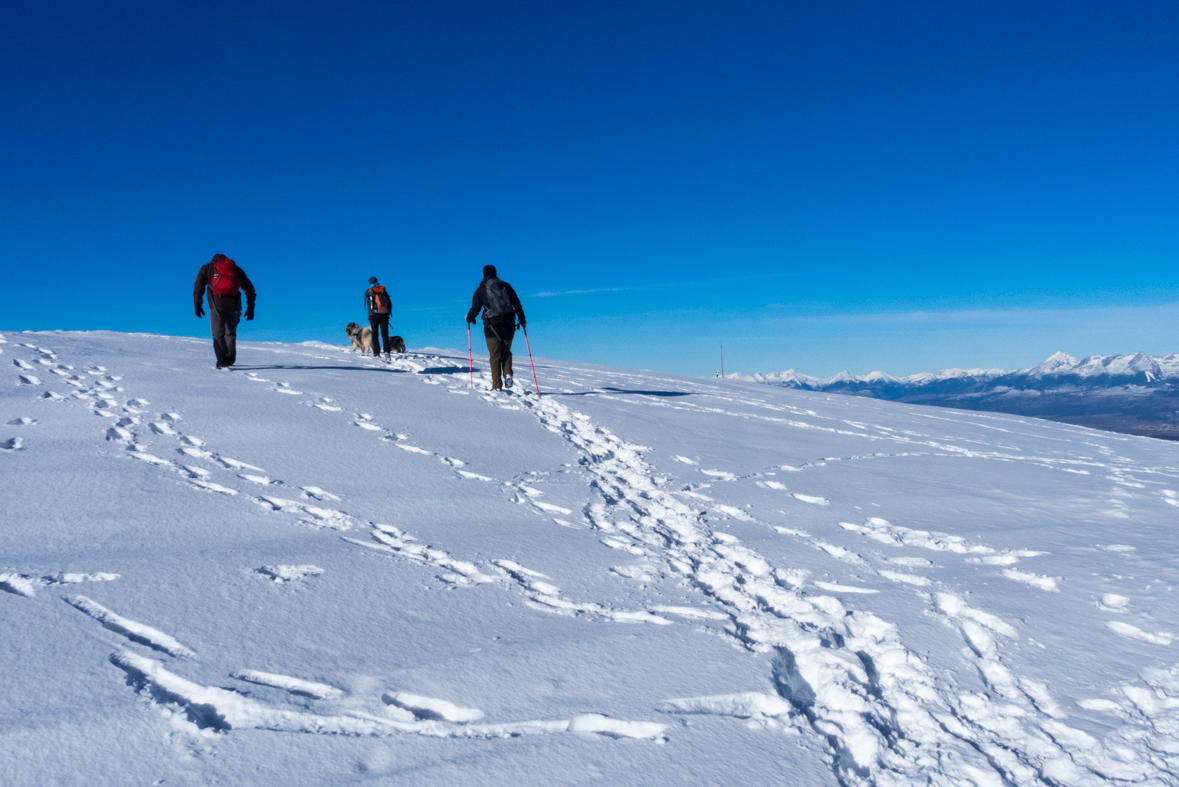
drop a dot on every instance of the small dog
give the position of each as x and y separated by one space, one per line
362 339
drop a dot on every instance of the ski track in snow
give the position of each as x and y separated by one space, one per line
845 674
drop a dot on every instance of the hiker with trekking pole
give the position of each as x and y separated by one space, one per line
501 309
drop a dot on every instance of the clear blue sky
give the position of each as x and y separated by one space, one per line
820 185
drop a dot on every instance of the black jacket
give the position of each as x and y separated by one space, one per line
222 302
479 303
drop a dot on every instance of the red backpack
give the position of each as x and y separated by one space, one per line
225 281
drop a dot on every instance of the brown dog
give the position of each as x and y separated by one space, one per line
361 338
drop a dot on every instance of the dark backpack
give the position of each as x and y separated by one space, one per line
497 300
225 281
380 300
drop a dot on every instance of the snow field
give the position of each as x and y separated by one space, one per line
891 650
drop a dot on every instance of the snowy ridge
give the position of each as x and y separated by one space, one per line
898 653
1059 369
1133 394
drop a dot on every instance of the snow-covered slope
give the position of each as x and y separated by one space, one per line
318 569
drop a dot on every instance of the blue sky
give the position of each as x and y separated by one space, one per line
823 185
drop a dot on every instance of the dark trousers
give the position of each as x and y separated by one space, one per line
224 324
500 348
380 321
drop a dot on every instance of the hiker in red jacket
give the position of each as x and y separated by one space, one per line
225 281
376 300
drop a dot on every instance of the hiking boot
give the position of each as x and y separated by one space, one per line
508 381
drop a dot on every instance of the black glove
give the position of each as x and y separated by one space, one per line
523 324
249 314
200 311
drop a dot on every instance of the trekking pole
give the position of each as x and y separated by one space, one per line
529 346
470 357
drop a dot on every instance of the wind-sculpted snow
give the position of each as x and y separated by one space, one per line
783 587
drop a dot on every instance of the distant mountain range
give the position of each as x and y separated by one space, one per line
1134 394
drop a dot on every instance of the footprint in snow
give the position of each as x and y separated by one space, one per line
316 493
132 630
21 422
364 422
26 584
234 464
420 707
258 479
281 574
1112 602
1133 632
297 686
1035 580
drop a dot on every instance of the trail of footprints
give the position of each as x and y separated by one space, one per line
845 673
333 710
215 709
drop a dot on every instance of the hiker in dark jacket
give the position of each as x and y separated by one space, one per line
376 300
501 309
225 281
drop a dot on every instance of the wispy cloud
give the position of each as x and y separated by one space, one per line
547 294
662 285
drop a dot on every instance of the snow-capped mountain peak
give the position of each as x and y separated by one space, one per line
1056 362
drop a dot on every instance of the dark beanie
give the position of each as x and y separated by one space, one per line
488 270
218 257
372 279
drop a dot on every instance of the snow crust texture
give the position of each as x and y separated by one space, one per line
703 581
